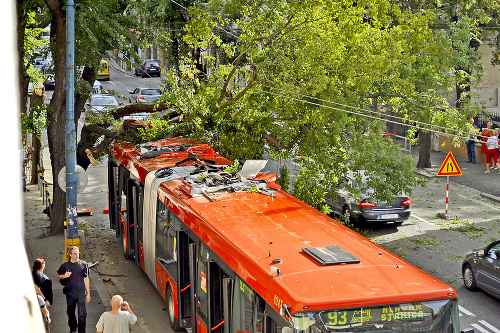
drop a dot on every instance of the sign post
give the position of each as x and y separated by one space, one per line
448 168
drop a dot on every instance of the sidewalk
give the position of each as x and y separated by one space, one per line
39 244
121 65
473 175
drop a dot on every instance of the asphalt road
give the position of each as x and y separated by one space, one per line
436 246
122 84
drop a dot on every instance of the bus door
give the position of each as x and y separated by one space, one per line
212 291
129 203
134 230
184 285
113 194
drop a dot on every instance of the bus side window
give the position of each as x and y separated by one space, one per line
248 309
166 239
165 234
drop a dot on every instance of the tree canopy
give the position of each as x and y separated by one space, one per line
314 79
307 68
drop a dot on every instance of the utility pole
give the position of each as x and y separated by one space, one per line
71 179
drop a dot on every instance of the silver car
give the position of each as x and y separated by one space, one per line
481 269
363 209
144 95
101 103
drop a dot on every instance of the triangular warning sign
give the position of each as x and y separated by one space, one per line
449 167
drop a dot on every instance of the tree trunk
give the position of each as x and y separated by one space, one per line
175 50
424 154
35 159
56 116
35 143
23 77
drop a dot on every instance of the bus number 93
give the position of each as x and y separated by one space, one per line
337 318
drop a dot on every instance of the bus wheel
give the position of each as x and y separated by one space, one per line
126 252
174 322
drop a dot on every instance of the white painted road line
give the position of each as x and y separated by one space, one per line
491 327
421 219
480 329
467 312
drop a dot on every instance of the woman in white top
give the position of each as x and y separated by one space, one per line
492 150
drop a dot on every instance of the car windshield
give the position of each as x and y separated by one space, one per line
104 101
426 316
151 92
152 64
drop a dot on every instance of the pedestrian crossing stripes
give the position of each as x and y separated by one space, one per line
462 309
481 326
491 327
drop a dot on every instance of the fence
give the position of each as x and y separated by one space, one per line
481 123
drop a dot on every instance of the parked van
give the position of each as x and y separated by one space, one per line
103 71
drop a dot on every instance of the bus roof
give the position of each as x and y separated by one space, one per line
250 230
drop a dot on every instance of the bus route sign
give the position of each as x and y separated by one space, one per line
449 167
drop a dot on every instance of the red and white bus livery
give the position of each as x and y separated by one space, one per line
233 253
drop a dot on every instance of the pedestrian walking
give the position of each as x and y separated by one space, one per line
74 275
26 156
119 319
42 280
43 308
492 150
471 144
484 136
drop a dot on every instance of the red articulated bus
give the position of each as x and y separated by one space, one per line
233 253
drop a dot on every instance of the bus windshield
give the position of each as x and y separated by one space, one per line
435 316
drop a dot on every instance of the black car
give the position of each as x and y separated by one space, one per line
481 269
149 68
362 208
50 82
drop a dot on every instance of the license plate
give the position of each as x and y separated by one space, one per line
389 216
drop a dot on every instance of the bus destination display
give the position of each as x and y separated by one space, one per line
373 315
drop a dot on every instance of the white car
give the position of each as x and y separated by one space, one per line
97 88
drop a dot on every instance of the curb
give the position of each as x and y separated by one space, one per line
427 173
490 197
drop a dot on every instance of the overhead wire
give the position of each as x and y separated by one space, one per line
410 123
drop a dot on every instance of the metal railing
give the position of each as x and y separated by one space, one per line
43 187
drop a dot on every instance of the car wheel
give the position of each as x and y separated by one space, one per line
469 280
346 217
142 74
174 322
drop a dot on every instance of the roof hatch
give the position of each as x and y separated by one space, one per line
331 255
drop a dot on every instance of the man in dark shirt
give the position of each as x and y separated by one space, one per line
77 288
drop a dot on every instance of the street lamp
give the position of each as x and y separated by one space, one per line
71 178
